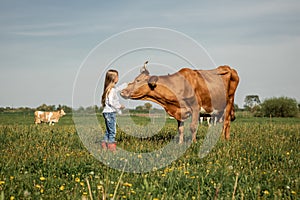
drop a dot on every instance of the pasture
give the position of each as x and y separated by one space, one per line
261 161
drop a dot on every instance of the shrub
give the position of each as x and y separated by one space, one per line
280 107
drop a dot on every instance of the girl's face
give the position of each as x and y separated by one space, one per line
116 79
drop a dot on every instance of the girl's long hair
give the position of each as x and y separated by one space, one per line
109 83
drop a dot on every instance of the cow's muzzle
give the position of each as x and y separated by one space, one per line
125 94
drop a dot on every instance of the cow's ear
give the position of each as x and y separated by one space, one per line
152 82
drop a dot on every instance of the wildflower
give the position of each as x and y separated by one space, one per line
12 197
140 156
11 178
266 192
293 192
99 187
42 178
186 172
61 188
155 198
287 153
82 184
2 182
163 175
27 193
133 192
77 179
127 184
38 186
84 193
42 190
124 197
111 195
92 173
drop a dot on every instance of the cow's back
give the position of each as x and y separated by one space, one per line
208 88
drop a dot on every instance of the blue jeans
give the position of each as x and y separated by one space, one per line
110 123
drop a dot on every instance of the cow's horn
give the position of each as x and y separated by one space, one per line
145 64
144 68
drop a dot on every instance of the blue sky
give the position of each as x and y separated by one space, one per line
43 43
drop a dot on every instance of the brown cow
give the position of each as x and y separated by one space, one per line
189 92
48 117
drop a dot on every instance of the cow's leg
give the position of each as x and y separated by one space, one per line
215 120
226 126
180 131
194 125
201 120
208 121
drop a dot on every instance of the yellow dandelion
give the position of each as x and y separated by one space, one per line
186 172
84 193
99 187
82 184
38 186
42 190
77 179
111 195
11 178
12 198
124 197
155 198
293 192
140 156
266 192
42 178
163 175
2 182
287 153
132 192
61 188
127 184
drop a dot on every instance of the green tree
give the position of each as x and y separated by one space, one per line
280 107
148 106
67 109
45 107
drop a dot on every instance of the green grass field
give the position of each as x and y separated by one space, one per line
261 161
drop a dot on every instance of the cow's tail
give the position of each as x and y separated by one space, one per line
234 81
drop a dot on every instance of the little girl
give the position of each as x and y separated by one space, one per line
111 104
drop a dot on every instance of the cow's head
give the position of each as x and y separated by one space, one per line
141 85
62 112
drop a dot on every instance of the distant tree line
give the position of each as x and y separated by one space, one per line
43 107
272 107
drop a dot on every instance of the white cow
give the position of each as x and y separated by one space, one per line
48 117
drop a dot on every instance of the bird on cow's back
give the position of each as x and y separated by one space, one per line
189 92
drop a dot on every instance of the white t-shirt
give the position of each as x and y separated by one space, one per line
112 103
